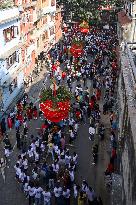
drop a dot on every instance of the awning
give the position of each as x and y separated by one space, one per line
5 55
123 18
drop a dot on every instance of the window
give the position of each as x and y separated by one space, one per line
13 85
29 61
46 35
52 17
52 2
12 59
10 33
45 20
43 37
56 17
38 43
51 31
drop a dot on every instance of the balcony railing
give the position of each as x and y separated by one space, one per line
9 14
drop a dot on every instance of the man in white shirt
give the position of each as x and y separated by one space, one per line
91 132
57 193
18 170
47 197
31 192
66 195
38 194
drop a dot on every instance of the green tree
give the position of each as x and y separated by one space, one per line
85 9
4 4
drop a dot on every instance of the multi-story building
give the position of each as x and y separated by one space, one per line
127 21
58 24
27 29
45 26
11 73
28 16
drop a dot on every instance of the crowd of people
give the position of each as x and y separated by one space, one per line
46 167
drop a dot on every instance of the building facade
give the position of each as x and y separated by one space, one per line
27 29
58 24
11 73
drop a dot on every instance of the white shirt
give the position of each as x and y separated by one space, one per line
30 153
66 193
75 191
42 147
71 121
34 175
25 164
7 152
38 192
75 159
55 167
33 146
71 134
47 196
22 176
91 130
36 156
72 177
76 127
57 191
31 191
18 170
67 159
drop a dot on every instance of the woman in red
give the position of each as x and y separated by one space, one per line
20 117
98 94
35 113
9 122
91 104
78 114
63 75
19 107
29 113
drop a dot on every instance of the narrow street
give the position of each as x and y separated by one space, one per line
94 175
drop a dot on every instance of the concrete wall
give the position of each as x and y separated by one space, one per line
127 130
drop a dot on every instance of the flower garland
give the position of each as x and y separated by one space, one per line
84 25
77 42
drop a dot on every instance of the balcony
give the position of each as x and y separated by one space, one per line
30 4
7 15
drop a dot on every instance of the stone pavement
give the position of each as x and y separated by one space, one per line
10 192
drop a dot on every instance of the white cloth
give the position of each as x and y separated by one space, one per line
66 194
31 191
38 192
46 196
57 191
91 130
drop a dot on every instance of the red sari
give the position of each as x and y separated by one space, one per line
35 114
9 122
78 115
98 94
29 113
19 107
20 118
91 104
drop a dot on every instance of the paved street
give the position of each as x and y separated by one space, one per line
11 194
